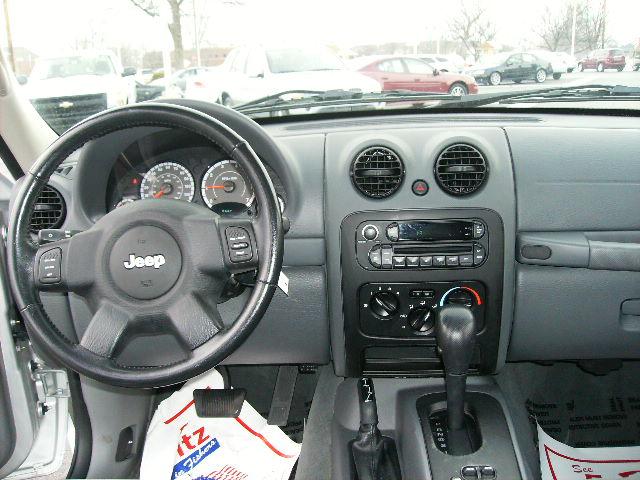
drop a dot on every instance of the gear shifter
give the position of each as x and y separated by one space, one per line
456 335
375 456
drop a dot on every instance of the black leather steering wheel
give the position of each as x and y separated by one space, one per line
148 267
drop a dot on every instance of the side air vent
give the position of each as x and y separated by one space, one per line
377 172
49 210
460 169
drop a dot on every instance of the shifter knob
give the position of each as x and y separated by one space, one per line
456 337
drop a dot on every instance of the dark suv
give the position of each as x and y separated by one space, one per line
603 59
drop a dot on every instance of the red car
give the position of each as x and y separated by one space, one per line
603 59
404 73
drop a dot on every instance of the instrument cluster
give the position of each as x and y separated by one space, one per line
192 174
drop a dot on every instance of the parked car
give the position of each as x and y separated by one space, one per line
603 59
249 73
636 59
177 82
517 67
149 91
444 63
561 62
405 73
66 89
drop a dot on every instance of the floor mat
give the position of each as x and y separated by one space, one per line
581 409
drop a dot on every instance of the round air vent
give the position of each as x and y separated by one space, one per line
460 169
49 210
377 172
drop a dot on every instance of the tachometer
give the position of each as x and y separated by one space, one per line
223 183
168 180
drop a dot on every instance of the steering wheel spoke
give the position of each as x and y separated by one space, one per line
194 321
106 330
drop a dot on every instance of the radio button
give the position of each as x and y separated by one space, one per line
466 260
478 230
370 232
413 262
478 254
453 261
399 262
393 232
387 257
375 257
426 261
439 261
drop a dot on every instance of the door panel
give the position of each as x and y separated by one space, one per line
392 75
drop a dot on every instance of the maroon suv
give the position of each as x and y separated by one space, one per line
603 59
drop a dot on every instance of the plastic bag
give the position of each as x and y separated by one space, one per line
182 445
562 462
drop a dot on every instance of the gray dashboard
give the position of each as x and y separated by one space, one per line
549 176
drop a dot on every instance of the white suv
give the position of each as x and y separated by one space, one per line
249 73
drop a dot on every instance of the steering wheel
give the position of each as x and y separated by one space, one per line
152 266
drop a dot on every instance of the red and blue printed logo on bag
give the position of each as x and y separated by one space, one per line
196 446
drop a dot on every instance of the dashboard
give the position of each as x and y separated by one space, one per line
559 273
184 168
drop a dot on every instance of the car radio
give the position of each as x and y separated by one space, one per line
421 244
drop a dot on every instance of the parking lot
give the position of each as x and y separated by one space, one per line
610 77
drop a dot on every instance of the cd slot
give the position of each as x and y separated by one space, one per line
457 249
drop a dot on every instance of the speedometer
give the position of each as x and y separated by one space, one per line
224 184
168 180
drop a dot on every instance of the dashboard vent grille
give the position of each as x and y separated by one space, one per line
460 169
49 210
377 172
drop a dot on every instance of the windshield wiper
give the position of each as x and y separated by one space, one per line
579 93
315 98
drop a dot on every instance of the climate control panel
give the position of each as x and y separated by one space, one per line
409 309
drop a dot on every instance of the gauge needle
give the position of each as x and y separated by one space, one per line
214 186
158 194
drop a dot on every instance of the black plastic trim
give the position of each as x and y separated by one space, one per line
82 424
10 160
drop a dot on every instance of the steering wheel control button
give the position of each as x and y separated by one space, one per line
54 234
370 232
49 266
239 244
375 257
478 229
145 262
420 188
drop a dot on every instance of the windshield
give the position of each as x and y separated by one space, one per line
71 66
285 60
285 57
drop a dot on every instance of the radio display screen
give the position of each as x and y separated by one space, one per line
435 231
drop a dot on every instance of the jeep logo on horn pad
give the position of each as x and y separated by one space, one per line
155 261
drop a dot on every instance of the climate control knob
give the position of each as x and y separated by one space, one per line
422 319
384 304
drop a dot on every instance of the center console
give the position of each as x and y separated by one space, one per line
399 267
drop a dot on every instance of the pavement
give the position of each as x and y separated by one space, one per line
609 77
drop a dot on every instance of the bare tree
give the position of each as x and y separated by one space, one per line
592 25
150 7
555 28
472 29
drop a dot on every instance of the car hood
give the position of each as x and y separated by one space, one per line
71 86
325 80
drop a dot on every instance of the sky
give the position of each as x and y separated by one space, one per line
51 27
